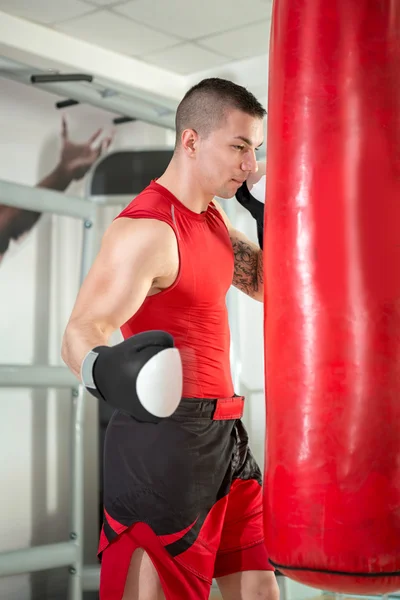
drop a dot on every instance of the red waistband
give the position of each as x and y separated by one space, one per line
229 408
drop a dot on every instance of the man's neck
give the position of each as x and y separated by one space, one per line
184 186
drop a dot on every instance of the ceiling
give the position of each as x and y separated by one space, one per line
181 36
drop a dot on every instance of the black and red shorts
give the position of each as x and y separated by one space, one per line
187 491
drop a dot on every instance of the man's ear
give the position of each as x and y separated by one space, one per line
189 141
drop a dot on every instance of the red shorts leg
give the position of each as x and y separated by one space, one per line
242 546
254 558
177 582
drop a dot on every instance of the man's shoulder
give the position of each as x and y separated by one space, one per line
141 235
150 203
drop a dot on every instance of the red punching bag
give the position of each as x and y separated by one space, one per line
332 269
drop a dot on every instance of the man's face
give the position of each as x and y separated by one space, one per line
228 155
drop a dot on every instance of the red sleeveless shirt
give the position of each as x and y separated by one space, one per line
193 309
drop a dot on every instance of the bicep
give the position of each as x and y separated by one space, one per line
131 256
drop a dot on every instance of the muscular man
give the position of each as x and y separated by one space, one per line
183 499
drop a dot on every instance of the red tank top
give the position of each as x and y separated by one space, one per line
193 309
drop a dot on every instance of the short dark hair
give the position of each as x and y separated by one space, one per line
204 106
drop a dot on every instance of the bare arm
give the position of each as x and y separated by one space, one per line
134 256
248 273
15 222
75 160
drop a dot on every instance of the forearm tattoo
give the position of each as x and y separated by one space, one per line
248 272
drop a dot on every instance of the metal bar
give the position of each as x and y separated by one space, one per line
66 103
91 578
130 100
39 558
121 120
44 200
77 493
33 376
158 111
61 78
282 585
88 245
75 591
122 199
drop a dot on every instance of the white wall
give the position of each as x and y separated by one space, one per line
38 285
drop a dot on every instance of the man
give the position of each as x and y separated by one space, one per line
75 161
183 499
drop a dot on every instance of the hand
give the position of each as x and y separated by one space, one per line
76 159
251 195
255 177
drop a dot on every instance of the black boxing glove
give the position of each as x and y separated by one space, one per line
141 376
254 202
